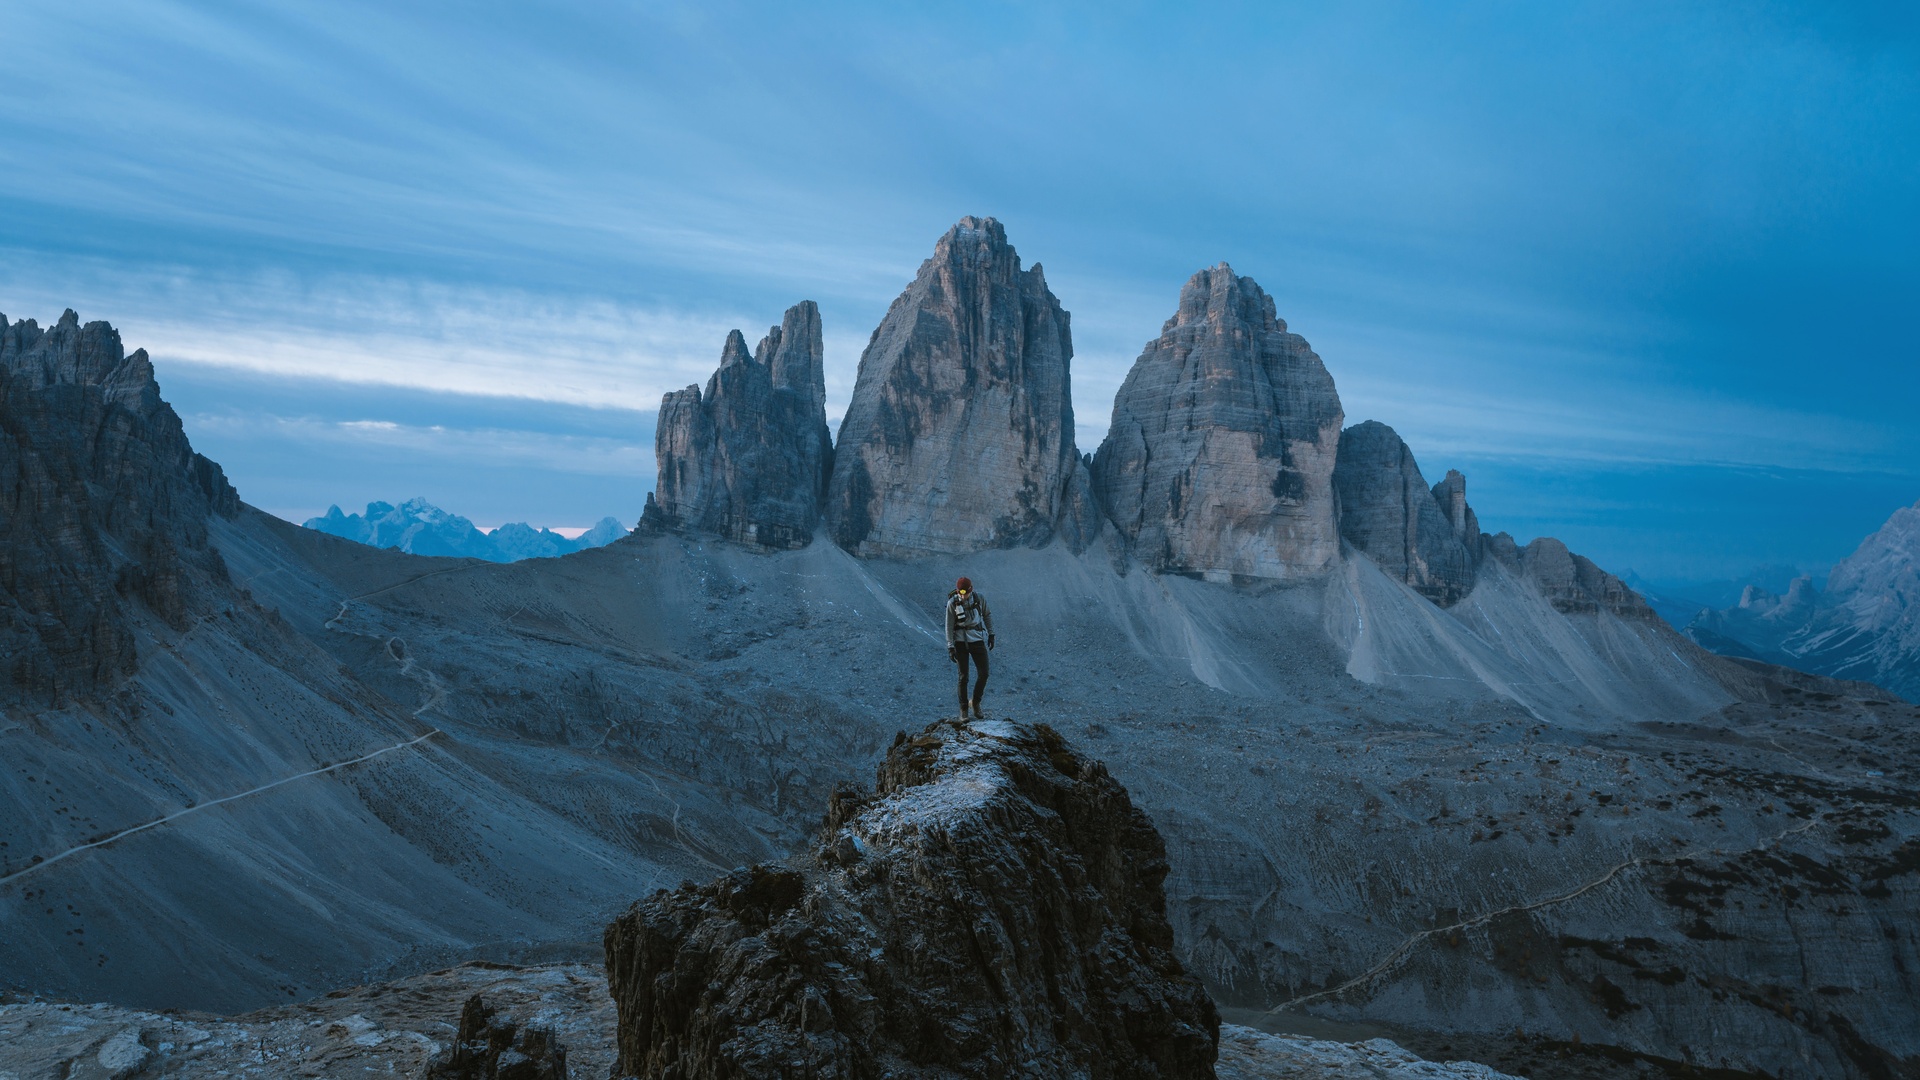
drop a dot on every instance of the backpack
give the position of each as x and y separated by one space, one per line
966 613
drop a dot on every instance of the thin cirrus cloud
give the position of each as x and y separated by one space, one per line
476 447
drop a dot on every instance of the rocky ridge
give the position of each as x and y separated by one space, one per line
103 509
959 436
420 528
1220 457
993 909
1865 626
749 460
1225 458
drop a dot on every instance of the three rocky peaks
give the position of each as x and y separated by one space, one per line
1225 459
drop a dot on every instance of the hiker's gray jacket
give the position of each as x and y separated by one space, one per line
967 618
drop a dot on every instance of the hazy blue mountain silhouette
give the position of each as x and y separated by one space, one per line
421 528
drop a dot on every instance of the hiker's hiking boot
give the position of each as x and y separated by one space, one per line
977 714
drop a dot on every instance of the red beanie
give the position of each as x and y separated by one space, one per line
963 583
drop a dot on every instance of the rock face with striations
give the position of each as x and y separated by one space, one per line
959 437
994 909
1220 457
98 485
1418 534
749 460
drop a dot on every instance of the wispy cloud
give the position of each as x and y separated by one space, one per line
475 447
468 339
1677 237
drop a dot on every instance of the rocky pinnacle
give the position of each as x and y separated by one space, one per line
103 509
959 437
1415 533
749 460
995 909
1220 456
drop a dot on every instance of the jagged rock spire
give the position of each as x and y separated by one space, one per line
959 436
1220 456
749 460
1415 533
104 509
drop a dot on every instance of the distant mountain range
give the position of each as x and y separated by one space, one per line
1865 626
421 528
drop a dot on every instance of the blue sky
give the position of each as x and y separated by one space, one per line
1642 271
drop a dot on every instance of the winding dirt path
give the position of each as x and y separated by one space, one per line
197 807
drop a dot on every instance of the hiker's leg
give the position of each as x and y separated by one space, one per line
962 652
979 650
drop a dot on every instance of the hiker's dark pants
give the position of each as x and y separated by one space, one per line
978 651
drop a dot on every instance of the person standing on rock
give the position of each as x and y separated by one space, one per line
969 637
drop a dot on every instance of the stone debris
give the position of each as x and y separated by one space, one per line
491 1046
398 1028
1246 1054
407 1035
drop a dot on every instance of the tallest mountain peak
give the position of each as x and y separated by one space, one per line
986 228
959 436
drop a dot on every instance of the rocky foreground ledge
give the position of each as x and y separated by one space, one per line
993 909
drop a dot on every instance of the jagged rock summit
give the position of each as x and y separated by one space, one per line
994 909
98 485
749 460
1418 534
1220 457
959 436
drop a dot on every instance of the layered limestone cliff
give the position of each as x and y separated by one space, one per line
749 459
103 508
994 909
1220 457
959 437
1415 533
